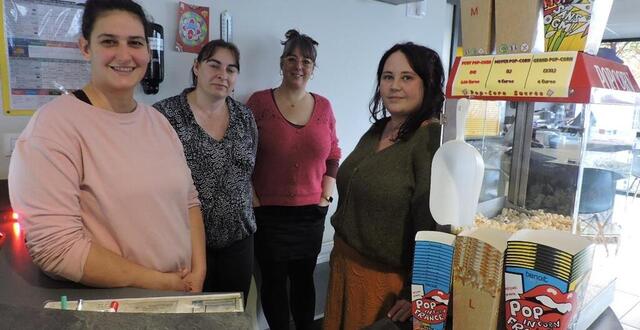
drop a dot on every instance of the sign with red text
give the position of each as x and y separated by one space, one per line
509 74
550 74
472 74
566 76
524 75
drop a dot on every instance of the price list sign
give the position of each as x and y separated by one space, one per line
472 74
508 75
550 74
515 75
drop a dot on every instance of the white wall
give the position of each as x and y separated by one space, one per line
352 35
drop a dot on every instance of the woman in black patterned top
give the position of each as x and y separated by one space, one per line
220 137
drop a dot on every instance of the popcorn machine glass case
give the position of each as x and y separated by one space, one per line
556 131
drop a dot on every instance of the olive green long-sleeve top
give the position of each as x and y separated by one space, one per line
384 196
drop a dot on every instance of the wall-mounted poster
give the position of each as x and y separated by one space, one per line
193 28
39 55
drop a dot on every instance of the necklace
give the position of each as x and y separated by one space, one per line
287 99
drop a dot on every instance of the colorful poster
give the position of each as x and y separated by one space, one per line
193 28
575 24
566 25
39 55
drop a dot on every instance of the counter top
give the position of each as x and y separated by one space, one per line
24 289
21 317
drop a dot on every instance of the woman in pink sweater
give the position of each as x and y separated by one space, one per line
293 179
101 180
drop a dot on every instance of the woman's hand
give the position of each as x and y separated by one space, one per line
174 281
323 202
195 280
400 311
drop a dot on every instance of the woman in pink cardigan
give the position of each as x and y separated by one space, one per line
295 170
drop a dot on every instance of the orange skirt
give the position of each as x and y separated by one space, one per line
360 291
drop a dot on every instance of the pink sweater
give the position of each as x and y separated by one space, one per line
80 174
291 161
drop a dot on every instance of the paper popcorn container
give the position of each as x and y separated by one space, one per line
477 26
477 278
546 273
431 280
575 24
519 26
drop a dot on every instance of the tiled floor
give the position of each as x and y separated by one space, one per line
626 263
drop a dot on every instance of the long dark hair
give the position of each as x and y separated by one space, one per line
95 8
210 48
426 63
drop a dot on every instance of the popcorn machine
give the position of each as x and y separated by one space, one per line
555 131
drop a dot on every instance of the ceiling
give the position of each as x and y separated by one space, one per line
623 21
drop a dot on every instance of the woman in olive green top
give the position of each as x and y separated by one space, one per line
384 192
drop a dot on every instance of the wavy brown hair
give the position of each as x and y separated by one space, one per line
427 64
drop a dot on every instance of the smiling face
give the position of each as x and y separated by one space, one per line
117 50
216 76
296 69
402 89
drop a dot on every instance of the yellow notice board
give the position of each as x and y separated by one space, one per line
515 75
550 74
509 75
472 74
483 118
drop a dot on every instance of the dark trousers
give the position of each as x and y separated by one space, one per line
301 298
288 241
229 269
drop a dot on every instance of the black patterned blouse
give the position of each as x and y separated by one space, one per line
221 169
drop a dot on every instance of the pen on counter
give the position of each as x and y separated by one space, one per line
79 307
113 307
64 304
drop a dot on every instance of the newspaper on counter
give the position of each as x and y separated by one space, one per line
207 303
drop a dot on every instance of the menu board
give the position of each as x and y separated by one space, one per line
517 75
472 74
